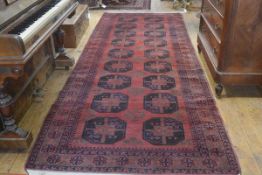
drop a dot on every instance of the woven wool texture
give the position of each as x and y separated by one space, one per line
136 102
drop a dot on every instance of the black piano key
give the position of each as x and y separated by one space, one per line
29 21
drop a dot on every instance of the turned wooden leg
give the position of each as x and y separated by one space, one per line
219 89
62 59
101 4
12 137
38 95
198 49
10 128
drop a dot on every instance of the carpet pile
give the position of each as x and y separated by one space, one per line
137 102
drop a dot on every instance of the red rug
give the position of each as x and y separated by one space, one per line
137 102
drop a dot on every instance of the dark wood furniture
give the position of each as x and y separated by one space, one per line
230 39
28 54
75 26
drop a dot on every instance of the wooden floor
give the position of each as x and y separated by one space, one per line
242 115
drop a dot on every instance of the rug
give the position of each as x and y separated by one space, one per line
128 4
137 102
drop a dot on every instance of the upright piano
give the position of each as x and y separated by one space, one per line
31 41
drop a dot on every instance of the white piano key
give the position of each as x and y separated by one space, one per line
40 23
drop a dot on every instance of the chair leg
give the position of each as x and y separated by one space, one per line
100 3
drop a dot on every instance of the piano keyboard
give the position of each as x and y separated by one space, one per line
33 25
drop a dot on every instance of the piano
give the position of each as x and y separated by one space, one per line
31 42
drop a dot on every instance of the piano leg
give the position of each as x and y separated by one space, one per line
62 60
12 137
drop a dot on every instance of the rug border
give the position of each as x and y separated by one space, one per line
198 56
